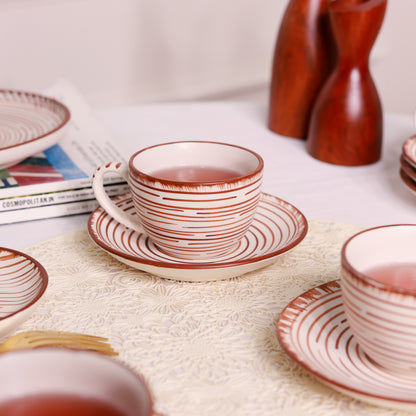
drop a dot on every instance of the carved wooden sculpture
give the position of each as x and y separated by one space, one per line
302 61
347 122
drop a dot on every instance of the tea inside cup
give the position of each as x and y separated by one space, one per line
378 284
196 162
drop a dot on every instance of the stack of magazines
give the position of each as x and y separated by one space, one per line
57 182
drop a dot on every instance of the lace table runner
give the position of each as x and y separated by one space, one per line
205 348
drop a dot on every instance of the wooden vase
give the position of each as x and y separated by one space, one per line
346 125
303 58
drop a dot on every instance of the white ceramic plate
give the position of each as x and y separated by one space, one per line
277 228
23 280
314 332
29 123
409 150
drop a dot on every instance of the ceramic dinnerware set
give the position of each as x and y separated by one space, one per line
196 212
194 230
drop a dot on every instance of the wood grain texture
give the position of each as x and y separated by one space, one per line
346 125
303 58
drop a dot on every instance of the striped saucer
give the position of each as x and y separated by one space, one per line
277 227
23 281
314 332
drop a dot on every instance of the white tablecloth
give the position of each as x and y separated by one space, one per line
206 348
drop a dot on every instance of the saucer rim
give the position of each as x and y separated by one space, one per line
344 388
211 264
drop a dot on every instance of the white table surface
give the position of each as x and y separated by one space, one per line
368 195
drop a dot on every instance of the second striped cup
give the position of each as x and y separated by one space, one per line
378 286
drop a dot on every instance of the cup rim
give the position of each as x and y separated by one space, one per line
236 179
115 361
365 278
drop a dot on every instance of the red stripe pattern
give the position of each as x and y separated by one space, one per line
25 117
383 322
314 331
22 282
196 221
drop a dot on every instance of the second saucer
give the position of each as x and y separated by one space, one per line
314 332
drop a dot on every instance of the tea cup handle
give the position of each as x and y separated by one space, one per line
120 168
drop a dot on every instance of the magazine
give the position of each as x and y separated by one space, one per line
57 181
48 211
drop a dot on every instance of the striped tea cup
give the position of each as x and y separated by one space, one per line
194 199
378 284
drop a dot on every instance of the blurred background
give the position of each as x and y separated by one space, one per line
121 52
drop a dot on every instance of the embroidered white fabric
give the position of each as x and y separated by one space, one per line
204 348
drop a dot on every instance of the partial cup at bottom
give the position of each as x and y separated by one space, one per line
65 382
382 312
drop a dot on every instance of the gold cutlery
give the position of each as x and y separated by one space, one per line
37 339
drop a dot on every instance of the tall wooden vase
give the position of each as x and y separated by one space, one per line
303 58
346 125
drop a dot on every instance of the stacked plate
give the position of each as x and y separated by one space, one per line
408 164
29 123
